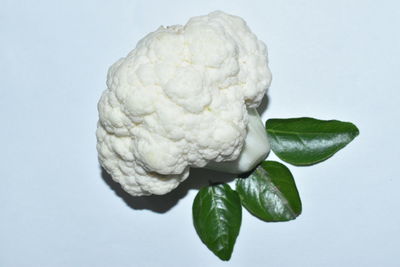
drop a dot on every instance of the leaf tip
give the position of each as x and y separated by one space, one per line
225 256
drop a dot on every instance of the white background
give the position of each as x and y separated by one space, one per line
330 59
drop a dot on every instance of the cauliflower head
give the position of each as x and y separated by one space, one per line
180 99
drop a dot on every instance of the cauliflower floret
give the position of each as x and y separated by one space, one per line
181 99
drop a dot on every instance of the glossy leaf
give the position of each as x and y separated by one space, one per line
270 193
217 216
306 141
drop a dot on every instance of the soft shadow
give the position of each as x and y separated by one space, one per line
198 178
263 105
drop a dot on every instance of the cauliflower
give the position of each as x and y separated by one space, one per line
184 97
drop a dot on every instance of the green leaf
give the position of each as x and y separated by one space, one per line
306 141
217 216
270 193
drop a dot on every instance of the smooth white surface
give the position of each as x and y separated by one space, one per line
330 59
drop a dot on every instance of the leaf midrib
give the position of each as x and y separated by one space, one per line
215 207
302 133
278 192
